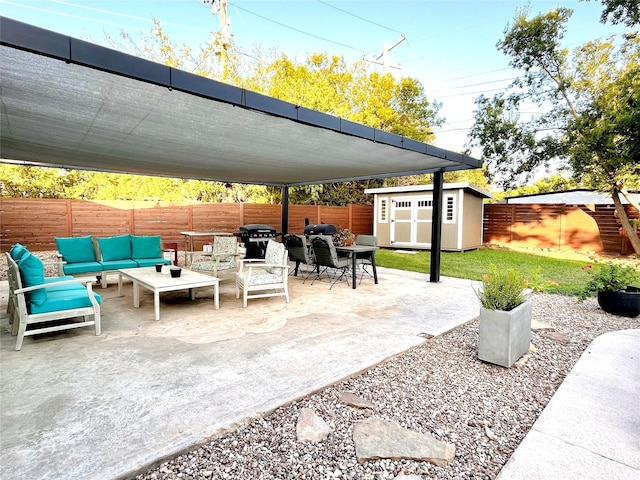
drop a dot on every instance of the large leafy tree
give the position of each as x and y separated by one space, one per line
36 182
621 11
591 104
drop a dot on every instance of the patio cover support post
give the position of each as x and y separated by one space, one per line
436 227
285 210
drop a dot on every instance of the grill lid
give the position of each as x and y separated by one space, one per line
320 229
257 228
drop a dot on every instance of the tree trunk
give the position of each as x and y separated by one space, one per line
631 230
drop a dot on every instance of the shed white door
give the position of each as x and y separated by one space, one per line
411 221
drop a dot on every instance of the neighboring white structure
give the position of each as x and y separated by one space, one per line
402 216
580 196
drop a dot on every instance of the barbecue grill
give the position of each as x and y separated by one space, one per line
320 229
255 237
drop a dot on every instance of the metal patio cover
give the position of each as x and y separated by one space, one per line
70 103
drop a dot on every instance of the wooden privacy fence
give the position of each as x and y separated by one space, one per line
35 222
559 226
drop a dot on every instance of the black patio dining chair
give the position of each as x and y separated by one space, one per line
299 251
328 261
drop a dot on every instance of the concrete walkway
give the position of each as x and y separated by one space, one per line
591 427
78 406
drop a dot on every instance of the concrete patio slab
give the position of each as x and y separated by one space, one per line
79 406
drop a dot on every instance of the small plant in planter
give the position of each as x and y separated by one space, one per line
612 283
505 317
502 289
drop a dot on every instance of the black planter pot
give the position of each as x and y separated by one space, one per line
625 303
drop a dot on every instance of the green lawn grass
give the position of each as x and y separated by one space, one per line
549 274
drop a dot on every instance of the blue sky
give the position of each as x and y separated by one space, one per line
449 45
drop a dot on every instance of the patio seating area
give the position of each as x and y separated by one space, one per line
76 405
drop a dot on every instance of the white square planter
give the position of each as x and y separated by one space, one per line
504 336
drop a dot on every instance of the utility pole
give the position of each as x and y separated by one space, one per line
222 38
385 56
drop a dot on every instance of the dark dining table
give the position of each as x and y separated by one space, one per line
352 250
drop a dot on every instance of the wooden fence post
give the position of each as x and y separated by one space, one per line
513 221
563 217
132 217
69 218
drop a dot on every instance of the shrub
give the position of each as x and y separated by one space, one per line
609 277
502 289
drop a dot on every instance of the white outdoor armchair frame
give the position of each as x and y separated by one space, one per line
260 278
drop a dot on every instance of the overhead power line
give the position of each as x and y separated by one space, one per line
360 18
124 15
480 74
471 93
448 89
297 29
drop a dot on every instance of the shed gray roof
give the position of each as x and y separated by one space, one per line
70 103
429 188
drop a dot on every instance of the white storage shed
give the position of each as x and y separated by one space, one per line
403 216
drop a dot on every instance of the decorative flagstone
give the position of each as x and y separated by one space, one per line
375 438
558 337
311 428
537 325
354 401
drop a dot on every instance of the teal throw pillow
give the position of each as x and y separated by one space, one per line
32 273
115 248
145 247
17 250
76 249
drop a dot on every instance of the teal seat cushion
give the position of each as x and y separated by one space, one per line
65 300
145 246
115 248
116 264
150 262
81 267
17 250
76 249
32 274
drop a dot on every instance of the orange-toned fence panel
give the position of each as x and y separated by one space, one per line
357 218
338 216
298 214
265 214
569 227
160 218
36 222
101 219
216 217
33 222
361 219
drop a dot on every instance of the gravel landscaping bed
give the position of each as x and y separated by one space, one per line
439 388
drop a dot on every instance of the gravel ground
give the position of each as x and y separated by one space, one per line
439 388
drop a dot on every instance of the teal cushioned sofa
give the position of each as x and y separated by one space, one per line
99 256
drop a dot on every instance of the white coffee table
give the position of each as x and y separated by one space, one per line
157 282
